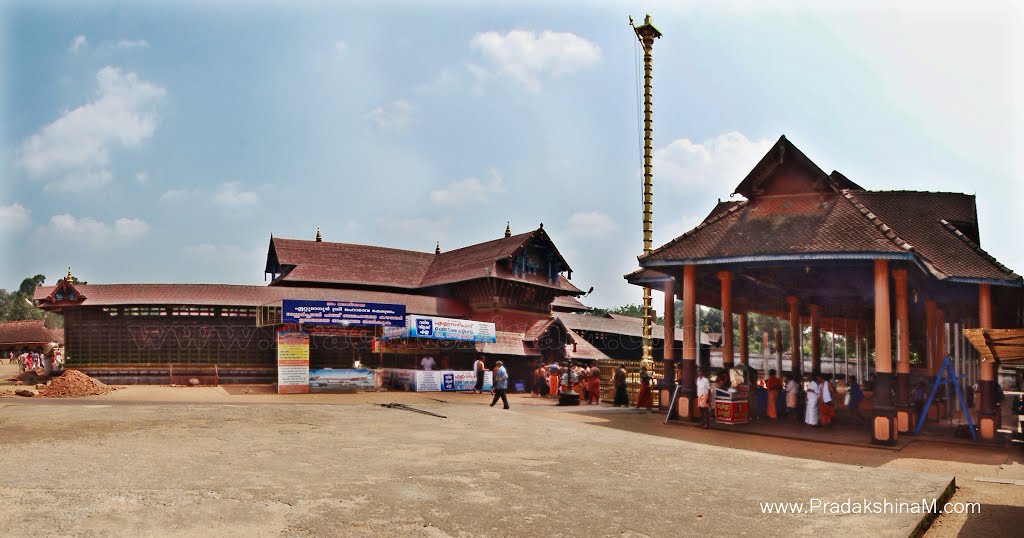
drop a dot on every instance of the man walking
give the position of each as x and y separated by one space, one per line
704 397
621 397
480 367
500 384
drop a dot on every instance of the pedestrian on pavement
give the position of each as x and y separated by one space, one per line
704 397
479 367
621 397
500 384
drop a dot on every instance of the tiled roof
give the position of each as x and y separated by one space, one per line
345 263
585 350
232 295
923 219
626 327
821 223
568 303
28 332
508 343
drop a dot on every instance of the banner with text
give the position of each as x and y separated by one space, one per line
292 362
465 330
342 313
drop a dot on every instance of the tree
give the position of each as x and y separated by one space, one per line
18 305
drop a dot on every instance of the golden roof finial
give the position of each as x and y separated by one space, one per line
508 229
319 238
69 278
437 248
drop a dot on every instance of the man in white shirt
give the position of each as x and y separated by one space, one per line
811 411
427 363
704 397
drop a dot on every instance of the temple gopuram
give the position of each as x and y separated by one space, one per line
906 268
160 333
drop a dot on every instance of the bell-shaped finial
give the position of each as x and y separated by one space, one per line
69 277
437 248
508 229
319 238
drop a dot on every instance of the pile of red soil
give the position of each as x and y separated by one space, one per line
30 377
74 384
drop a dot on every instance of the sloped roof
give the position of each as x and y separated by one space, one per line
568 303
925 220
585 350
625 327
508 343
346 263
822 223
233 295
27 332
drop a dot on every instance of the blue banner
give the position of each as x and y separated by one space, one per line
342 313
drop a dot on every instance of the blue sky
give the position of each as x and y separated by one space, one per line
165 142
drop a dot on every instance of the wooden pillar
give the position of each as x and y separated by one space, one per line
815 339
905 416
670 343
987 420
778 350
727 346
744 342
929 323
688 375
884 424
796 359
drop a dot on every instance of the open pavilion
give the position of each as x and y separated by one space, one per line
898 266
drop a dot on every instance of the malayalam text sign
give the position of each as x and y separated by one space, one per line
292 362
342 313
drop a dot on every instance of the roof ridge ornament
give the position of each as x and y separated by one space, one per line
508 229
319 238
437 248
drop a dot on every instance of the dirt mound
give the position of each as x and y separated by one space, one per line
30 377
73 384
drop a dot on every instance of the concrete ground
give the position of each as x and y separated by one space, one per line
234 461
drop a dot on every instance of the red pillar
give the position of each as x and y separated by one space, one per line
815 339
670 342
727 348
688 377
987 420
744 343
797 365
905 416
929 321
883 429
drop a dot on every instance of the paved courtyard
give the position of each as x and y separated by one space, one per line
346 465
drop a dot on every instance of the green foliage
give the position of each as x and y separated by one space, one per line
17 305
631 310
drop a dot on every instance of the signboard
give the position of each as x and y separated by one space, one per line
434 381
463 381
436 328
292 362
341 313
342 380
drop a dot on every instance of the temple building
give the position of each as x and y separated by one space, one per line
904 268
150 333
29 335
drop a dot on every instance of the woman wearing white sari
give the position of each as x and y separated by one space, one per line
811 413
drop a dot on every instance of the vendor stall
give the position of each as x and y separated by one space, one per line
732 406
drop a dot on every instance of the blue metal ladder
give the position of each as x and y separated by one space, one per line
947 375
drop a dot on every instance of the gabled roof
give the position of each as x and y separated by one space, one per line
839 220
823 224
317 262
249 296
28 332
568 303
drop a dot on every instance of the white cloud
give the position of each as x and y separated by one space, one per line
132 43
470 189
715 165
340 47
230 195
73 152
590 224
396 115
87 230
142 177
77 44
175 195
526 56
14 217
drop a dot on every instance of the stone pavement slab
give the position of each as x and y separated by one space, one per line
104 467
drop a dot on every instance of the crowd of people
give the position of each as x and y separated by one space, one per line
37 359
